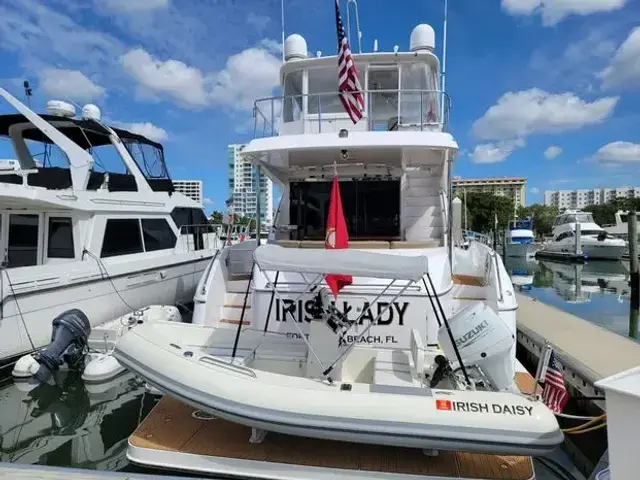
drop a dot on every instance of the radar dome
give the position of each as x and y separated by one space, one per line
60 109
91 112
423 37
295 47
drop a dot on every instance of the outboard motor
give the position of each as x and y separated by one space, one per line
68 341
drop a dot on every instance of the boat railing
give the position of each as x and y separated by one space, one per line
384 110
204 236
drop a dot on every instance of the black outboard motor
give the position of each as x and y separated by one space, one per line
68 341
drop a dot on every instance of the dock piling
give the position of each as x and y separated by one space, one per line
634 276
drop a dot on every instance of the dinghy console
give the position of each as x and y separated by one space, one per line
484 342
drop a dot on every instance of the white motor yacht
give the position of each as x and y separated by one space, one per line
90 221
594 243
417 351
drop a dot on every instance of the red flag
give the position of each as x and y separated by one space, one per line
336 236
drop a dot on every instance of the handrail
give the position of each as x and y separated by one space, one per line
272 112
231 366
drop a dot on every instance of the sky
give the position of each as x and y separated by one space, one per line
544 89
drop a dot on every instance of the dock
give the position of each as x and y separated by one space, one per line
18 471
562 256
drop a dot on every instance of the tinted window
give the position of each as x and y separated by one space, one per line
60 241
157 234
186 219
23 240
371 208
121 237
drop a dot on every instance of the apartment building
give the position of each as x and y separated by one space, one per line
243 188
513 187
578 199
190 188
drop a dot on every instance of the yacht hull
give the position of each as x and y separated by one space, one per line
102 299
520 249
593 250
413 417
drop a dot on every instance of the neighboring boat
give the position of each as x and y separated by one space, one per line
377 365
90 220
521 271
621 228
519 239
594 243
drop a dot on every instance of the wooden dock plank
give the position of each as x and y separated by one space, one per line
586 343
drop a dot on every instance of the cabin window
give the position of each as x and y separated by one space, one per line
418 99
60 241
323 90
22 249
383 95
121 237
564 235
293 97
371 209
192 221
157 234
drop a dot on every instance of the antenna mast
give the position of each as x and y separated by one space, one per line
282 22
355 6
444 61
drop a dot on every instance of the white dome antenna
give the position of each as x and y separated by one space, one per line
423 37
91 112
295 47
61 109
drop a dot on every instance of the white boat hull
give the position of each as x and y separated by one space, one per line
414 417
164 284
521 249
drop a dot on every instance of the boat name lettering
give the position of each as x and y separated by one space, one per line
481 407
349 339
303 311
471 334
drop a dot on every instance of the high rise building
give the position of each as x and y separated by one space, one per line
514 187
243 187
577 199
190 188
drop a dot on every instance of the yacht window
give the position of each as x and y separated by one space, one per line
60 241
149 158
418 98
157 234
371 209
383 95
192 221
23 240
121 237
323 90
292 100
593 232
564 235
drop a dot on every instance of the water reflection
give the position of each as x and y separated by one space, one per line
68 423
597 291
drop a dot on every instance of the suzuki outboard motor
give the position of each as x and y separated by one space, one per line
68 341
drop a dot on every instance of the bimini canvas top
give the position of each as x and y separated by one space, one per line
341 262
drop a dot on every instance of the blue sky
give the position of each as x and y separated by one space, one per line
546 89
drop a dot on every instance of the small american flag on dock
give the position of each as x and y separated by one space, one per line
554 394
349 85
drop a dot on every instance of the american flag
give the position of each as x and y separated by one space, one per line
349 85
554 394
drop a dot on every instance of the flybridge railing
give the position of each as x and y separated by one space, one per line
384 110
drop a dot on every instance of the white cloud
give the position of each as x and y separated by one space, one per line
495 152
535 111
149 130
171 77
131 6
207 201
69 84
618 153
554 11
535 190
552 152
259 22
624 68
248 75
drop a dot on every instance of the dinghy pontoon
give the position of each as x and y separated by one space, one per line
460 397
